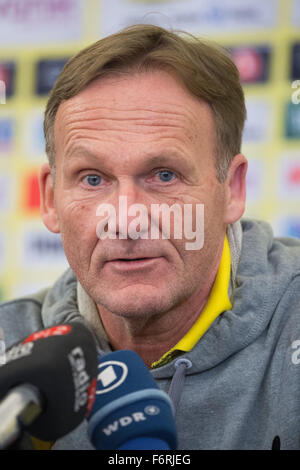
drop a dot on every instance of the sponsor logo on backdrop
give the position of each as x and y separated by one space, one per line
40 21
203 17
292 120
2 92
252 62
295 13
5 193
255 179
6 135
293 228
7 77
289 177
296 94
295 61
47 72
287 226
31 198
259 120
34 140
42 248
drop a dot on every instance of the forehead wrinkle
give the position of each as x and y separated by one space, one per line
113 137
168 125
137 129
150 110
167 119
79 103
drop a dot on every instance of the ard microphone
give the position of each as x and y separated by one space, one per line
53 373
130 412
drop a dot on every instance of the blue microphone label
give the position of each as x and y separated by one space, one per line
111 375
152 410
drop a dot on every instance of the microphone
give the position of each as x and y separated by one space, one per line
130 412
48 383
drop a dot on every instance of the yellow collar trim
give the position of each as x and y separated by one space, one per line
217 303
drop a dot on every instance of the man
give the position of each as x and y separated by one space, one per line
148 117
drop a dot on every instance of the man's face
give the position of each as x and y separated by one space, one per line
146 138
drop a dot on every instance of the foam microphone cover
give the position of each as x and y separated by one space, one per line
61 362
130 411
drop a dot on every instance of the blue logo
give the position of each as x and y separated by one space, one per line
295 63
7 75
6 134
293 229
111 375
292 121
152 410
47 73
289 227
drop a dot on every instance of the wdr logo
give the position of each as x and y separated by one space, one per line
112 374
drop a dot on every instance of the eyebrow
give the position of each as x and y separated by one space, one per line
171 158
81 152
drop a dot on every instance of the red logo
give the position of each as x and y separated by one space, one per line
7 72
91 396
31 199
4 74
249 64
294 176
53 331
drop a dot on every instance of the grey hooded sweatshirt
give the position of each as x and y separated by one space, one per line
241 389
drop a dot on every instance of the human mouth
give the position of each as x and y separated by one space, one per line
132 264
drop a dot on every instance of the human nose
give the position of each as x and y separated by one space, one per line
132 215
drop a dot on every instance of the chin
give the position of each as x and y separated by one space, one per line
137 304
134 308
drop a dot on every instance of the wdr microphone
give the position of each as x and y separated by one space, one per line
54 371
130 412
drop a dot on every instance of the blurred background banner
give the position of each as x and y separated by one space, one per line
36 39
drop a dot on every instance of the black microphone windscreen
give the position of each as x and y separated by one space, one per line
62 363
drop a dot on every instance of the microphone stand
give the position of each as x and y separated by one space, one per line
20 407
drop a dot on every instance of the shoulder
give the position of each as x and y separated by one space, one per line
21 317
269 254
268 279
262 234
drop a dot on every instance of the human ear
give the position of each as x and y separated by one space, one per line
235 189
48 208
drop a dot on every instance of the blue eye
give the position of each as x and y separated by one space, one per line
93 180
166 175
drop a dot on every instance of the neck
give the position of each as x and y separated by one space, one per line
150 337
